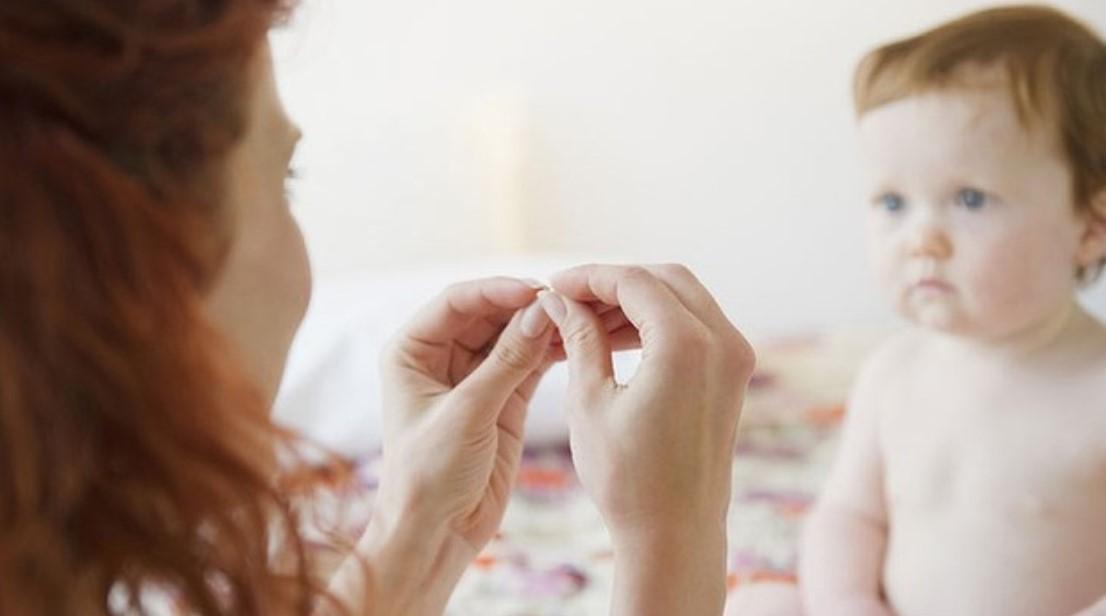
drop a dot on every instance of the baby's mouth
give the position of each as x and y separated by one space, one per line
931 285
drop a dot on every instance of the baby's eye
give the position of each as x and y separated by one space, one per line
971 198
891 202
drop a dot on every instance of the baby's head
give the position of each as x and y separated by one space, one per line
985 146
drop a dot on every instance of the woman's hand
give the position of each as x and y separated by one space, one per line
655 454
457 381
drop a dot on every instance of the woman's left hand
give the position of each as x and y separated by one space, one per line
457 381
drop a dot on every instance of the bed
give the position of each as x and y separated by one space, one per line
552 556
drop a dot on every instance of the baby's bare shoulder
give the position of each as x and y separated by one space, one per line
1075 380
1087 387
891 361
886 371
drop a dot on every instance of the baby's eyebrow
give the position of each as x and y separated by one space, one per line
882 189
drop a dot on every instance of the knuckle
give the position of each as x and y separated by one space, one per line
738 355
392 354
462 289
512 356
747 353
451 290
636 272
690 348
676 270
690 335
581 336
464 398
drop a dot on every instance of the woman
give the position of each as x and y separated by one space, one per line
151 281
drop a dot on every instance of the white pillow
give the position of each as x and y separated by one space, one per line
331 390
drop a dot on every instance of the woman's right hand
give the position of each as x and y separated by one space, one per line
656 453
456 382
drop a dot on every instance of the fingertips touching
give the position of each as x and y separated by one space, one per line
535 320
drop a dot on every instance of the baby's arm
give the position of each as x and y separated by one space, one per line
841 560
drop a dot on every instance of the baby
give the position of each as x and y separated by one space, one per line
971 478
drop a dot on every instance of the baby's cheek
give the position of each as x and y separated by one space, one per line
883 262
1021 279
890 277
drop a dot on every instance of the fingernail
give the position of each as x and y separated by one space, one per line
535 284
534 321
554 306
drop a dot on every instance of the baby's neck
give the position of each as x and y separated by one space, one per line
1055 336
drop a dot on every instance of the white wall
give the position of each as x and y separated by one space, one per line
716 133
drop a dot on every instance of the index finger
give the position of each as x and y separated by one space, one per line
648 303
577 284
448 316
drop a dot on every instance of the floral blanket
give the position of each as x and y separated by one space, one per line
553 554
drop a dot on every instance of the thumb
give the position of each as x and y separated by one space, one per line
585 341
518 352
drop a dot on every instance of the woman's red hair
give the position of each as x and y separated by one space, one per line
135 456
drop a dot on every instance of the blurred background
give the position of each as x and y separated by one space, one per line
447 139
475 134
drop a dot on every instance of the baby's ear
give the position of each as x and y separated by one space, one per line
1092 248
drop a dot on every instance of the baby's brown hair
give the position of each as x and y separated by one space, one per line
1054 67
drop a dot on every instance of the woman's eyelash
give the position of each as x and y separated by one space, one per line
290 177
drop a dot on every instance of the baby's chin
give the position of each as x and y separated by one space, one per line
942 319
984 330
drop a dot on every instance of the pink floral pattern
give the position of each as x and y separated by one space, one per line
553 555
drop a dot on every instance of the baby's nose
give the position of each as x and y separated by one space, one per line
931 242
